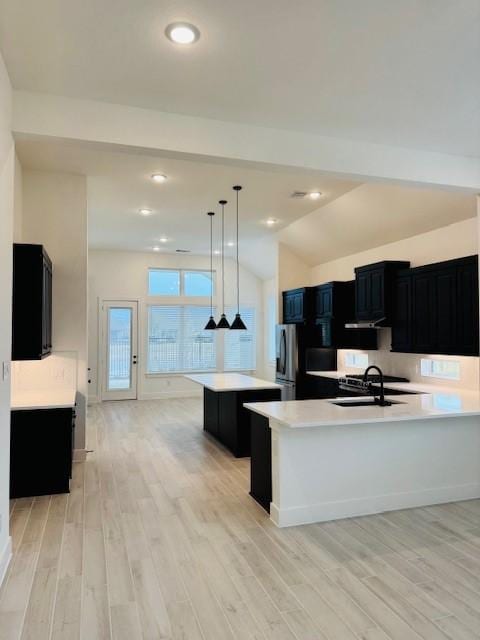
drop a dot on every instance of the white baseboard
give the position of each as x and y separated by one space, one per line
93 400
5 557
323 512
79 455
165 395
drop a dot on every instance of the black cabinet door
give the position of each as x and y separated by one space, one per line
324 301
467 305
445 310
402 316
423 319
40 452
210 412
377 293
294 306
363 284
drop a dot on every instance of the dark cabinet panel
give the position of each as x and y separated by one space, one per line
31 302
402 324
41 447
373 290
261 461
298 306
324 301
436 309
210 412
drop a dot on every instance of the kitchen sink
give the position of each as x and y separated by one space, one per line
367 402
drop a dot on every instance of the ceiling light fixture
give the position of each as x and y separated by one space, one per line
158 177
238 323
182 33
156 248
211 324
217 252
271 221
145 212
223 322
315 195
230 244
163 239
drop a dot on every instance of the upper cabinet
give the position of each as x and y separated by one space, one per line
436 309
298 305
374 284
31 302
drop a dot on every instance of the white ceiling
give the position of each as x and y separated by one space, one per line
403 73
372 215
119 184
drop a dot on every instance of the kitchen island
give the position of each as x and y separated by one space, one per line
332 461
224 416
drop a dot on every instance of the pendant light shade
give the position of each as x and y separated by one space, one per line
238 324
223 322
211 324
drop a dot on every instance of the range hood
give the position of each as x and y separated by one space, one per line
366 324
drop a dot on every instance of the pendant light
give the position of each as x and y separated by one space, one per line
223 322
238 323
211 324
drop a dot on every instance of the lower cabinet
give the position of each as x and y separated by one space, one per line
41 451
228 421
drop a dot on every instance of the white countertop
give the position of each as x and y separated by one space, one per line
46 399
231 382
319 413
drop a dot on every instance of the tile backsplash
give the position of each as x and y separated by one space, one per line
58 371
407 365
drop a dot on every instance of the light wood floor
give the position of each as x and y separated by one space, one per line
159 539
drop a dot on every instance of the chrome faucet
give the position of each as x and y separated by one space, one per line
381 401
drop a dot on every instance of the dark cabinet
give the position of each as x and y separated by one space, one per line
31 302
436 309
373 290
298 305
334 307
41 451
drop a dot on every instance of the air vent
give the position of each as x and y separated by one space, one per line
299 194
182 250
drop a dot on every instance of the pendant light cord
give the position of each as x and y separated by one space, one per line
238 268
223 259
211 265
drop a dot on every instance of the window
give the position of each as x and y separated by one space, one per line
446 369
240 346
271 322
162 282
179 282
357 360
197 283
177 341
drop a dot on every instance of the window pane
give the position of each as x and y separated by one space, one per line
162 282
197 283
240 346
177 341
119 348
271 319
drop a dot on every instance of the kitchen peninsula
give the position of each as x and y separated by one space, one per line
224 416
331 459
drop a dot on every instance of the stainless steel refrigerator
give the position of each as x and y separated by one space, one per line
297 350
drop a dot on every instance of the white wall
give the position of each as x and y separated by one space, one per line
55 215
7 166
445 243
18 201
454 241
122 275
270 290
292 271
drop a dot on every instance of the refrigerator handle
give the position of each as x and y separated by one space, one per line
284 340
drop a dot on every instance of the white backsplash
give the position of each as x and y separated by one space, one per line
407 365
57 371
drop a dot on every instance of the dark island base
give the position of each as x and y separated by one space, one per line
261 461
225 418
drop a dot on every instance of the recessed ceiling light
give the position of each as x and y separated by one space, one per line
145 212
315 195
271 221
217 252
230 244
182 33
159 177
163 239
156 248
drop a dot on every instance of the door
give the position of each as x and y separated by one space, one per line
120 343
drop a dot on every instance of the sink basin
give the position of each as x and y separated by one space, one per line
366 402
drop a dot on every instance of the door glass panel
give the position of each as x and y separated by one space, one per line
119 348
